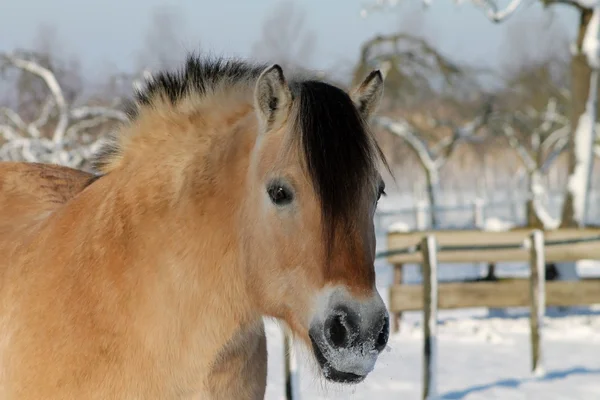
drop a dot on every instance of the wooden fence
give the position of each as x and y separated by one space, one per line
535 246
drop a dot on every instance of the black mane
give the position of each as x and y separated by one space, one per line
198 76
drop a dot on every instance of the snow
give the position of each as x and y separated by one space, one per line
587 3
498 16
481 355
399 227
497 225
591 44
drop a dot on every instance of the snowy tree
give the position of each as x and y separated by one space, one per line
584 84
531 112
414 68
415 71
538 138
433 157
59 133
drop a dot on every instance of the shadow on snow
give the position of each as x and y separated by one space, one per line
515 383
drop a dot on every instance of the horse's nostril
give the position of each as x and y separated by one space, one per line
338 333
341 329
383 336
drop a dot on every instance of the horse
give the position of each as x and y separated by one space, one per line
232 193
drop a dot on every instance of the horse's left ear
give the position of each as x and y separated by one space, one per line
368 94
272 95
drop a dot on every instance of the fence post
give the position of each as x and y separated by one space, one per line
478 216
291 368
537 292
430 306
396 317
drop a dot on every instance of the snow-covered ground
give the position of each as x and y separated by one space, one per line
480 357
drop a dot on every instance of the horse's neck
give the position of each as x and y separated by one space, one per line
183 249
240 370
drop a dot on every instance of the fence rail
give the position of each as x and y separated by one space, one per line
417 248
561 245
535 291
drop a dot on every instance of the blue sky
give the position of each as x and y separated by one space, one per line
112 31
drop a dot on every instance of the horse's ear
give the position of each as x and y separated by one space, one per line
368 94
272 95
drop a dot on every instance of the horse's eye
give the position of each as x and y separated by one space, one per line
279 194
381 191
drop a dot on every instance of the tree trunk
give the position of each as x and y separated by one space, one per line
581 139
584 88
532 219
531 212
433 180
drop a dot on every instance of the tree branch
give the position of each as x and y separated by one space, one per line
93 112
496 15
14 118
86 124
51 82
490 5
405 131
24 141
580 4
8 133
45 113
526 157
556 137
466 132
559 147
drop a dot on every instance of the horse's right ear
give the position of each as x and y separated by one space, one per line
368 94
272 95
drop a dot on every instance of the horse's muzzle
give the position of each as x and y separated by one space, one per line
348 336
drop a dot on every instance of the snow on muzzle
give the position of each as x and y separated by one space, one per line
348 334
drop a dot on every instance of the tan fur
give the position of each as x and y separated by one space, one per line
150 283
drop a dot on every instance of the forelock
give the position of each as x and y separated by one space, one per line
340 154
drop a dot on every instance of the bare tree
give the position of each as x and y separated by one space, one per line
414 68
55 135
410 64
29 92
415 71
285 38
531 112
538 138
434 156
584 87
